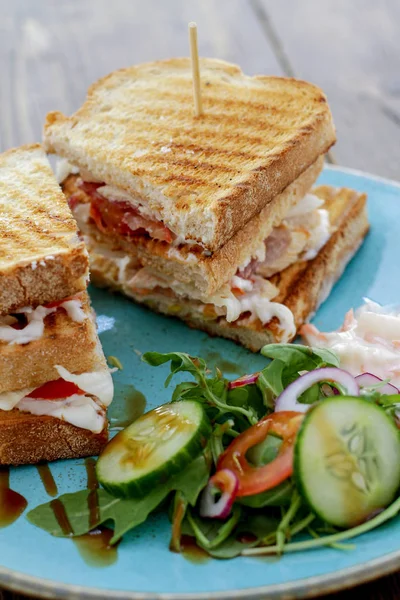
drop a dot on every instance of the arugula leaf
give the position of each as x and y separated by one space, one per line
279 496
249 397
305 358
126 514
250 530
187 390
269 381
180 361
210 533
213 391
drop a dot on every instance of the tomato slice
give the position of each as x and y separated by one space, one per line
253 480
53 390
119 216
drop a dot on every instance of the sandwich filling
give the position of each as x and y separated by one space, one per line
80 400
28 324
305 229
300 236
241 301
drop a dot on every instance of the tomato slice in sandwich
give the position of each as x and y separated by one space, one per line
53 390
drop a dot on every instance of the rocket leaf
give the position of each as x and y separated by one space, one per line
126 514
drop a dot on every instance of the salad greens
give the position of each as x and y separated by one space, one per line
270 501
126 514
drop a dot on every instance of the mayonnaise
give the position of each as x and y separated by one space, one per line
35 317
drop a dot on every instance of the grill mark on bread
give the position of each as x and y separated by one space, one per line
34 218
166 119
267 129
160 96
242 128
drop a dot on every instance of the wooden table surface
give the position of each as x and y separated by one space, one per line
51 50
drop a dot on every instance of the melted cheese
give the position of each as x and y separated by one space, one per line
9 400
81 411
96 383
35 316
64 168
368 342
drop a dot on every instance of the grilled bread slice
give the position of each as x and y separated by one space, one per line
42 258
29 439
72 344
302 287
203 177
194 271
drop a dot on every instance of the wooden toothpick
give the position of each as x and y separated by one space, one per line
194 56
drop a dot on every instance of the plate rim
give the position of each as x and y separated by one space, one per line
309 587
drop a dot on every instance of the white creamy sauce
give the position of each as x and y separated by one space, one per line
74 310
35 327
368 342
245 285
307 204
256 298
319 235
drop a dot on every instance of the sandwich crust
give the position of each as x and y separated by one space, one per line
302 287
189 265
29 439
204 177
42 258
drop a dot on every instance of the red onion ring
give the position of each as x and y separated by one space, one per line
224 481
245 380
288 400
371 380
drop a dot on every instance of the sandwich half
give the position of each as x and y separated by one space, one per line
55 386
200 210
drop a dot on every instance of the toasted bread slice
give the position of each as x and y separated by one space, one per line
302 287
65 342
204 177
29 439
42 258
189 266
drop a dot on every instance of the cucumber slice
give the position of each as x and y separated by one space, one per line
347 460
157 445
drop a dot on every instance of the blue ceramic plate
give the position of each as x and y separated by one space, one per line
36 563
